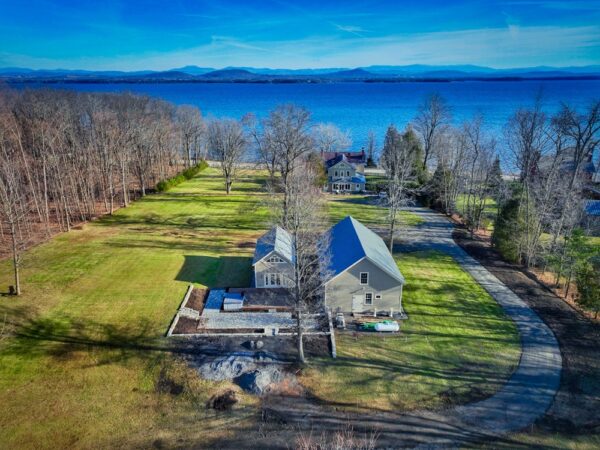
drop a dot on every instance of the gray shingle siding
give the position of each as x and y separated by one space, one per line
340 291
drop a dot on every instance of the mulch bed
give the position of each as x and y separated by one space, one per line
576 408
196 300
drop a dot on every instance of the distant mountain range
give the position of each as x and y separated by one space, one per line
415 72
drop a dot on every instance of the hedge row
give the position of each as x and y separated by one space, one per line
187 174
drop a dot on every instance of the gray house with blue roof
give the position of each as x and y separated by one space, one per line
273 259
343 176
362 275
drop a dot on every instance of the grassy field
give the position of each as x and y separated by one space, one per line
366 211
457 345
89 361
83 360
540 440
490 211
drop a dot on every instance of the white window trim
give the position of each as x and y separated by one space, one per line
274 259
378 297
361 276
371 302
275 276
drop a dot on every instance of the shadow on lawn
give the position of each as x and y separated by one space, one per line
230 271
66 337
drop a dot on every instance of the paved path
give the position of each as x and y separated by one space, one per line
525 397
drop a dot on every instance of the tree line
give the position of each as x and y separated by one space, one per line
539 211
67 157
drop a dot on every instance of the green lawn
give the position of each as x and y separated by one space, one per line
489 211
456 345
86 366
538 439
89 366
363 208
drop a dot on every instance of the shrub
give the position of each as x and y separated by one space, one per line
588 286
187 174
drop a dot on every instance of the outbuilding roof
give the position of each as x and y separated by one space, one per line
592 208
275 240
350 241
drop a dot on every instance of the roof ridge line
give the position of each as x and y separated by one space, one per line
362 245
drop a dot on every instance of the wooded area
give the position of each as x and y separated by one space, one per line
67 157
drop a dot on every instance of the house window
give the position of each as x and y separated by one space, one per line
364 278
275 259
368 298
347 187
378 297
347 173
272 279
336 173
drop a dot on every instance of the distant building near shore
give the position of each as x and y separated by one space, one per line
345 171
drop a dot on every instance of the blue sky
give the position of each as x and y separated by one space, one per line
134 35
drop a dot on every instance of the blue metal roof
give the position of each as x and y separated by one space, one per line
337 159
592 207
275 240
214 299
350 241
359 178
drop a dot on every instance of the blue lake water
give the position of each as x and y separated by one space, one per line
360 107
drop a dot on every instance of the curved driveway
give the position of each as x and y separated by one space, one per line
525 397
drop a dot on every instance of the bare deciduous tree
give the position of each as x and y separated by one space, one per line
227 143
304 219
398 160
191 129
288 139
433 117
329 138
13 204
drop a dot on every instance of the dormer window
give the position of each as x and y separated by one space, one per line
275 259
364 278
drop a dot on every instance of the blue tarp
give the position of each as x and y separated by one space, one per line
215 299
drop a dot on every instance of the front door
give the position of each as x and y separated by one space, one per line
357 303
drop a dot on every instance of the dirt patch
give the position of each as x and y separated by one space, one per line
452 397
186 325
166 385
196 300
576 407
317 346
246 244
223 401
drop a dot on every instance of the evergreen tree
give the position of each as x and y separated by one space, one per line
439 188
510 229
416 151
496 184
